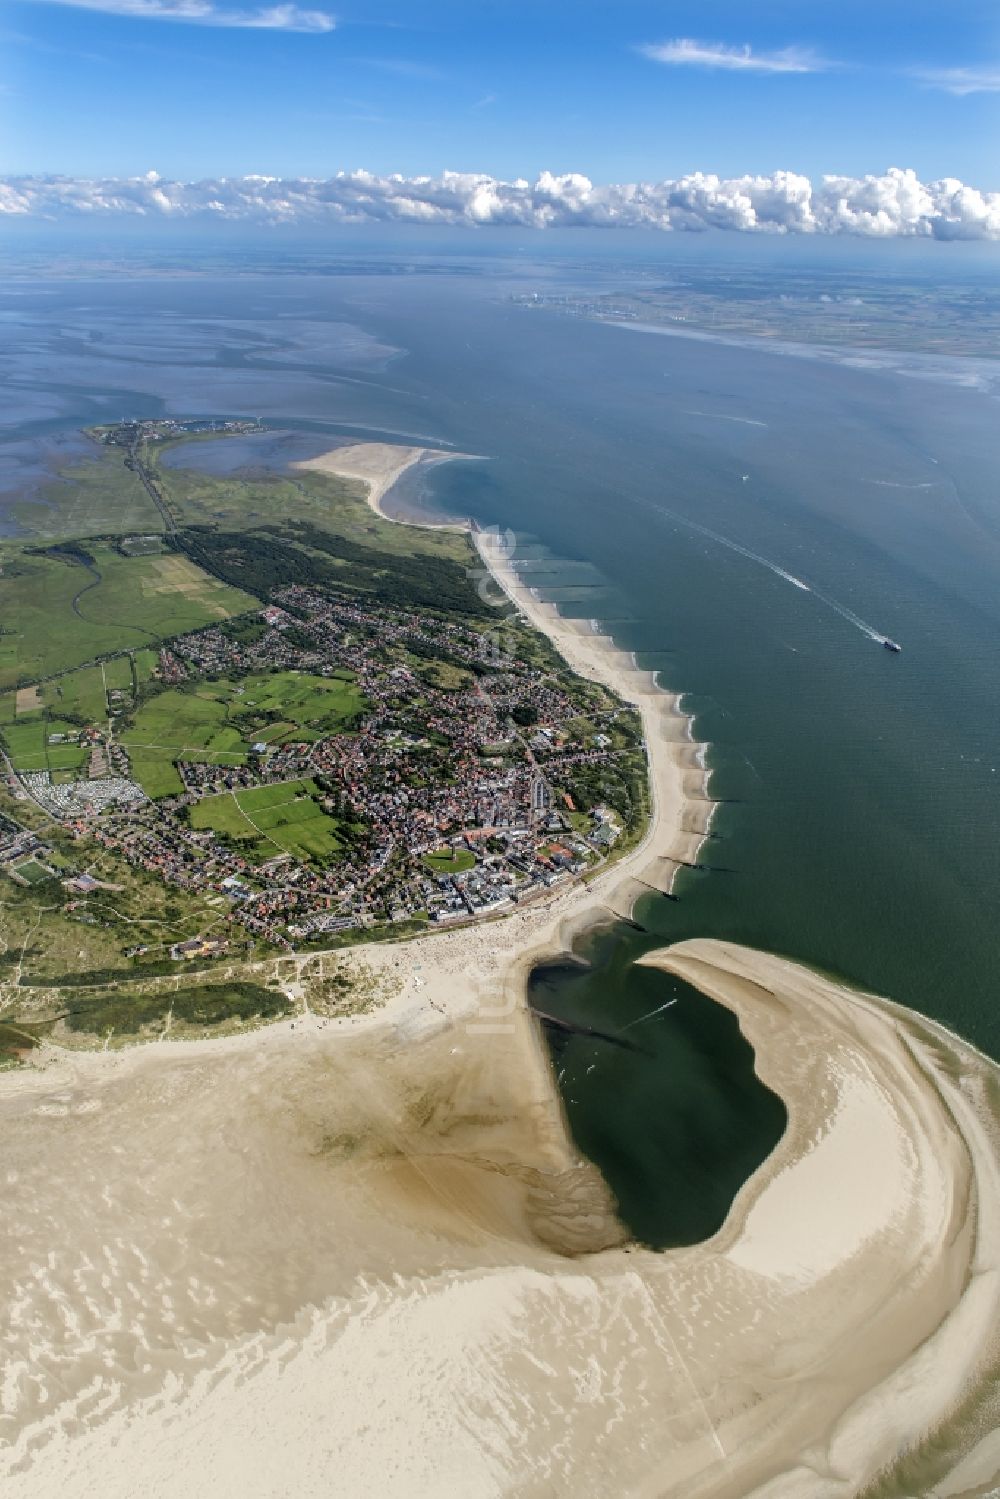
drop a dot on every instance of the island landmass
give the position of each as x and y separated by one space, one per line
389 1234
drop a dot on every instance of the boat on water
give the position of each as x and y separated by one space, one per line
890 645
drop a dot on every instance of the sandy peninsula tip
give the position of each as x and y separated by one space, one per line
378 465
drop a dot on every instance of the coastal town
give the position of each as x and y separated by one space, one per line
376 769
132 430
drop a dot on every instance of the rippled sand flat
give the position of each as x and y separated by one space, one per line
334 1262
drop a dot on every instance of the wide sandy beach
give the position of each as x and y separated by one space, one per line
377 465
336 1258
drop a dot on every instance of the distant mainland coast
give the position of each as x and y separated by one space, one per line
367 1247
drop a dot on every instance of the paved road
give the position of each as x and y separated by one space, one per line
145 473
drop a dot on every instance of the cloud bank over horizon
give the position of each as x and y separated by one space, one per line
894 205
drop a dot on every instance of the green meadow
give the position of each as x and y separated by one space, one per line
293 705
28 745
80 694
147 664
97 496
449 860
57 613
281 818
218 722
118 674
176 725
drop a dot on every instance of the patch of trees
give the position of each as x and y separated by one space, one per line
203 1004
269 558
417 582
255 561
245 629
426 652
629 725
300 638
621 784
64 551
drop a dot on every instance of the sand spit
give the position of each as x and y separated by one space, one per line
879 1217
361 1256
378 465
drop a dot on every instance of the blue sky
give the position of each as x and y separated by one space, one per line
502 86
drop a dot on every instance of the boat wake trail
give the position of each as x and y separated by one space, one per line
659 1011
742 551
851 617
790 578
780 572
722 416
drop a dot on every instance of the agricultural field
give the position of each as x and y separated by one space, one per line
79 694
65 761
269 820
118 674
222 814
217 722
57 613
155 771
176 726
66 703
27 744
147 664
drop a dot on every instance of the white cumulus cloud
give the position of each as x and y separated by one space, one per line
962 80
281 17
894 204
685 51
